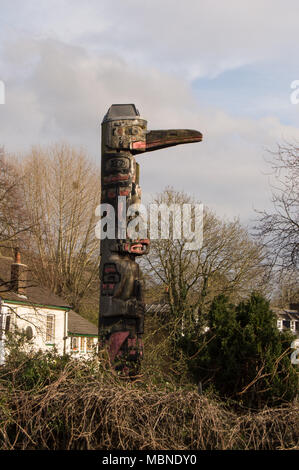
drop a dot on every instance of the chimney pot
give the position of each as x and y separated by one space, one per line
17 256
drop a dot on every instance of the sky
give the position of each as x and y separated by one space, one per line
223 68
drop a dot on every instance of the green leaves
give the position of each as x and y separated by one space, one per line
244 355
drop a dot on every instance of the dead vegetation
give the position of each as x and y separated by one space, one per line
85 406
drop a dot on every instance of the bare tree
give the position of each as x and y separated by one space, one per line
279 229
285 288
61 191
14 221
229 262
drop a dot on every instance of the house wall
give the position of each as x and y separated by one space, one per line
81 346
284 324
25 316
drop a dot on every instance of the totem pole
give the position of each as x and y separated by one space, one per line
124 135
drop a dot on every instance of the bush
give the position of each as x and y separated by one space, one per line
84 405
243 355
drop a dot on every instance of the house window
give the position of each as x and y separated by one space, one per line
29 333
82 344
75 343
89 344
279 324
7 324
286 323
50 329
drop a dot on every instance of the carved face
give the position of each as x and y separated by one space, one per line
122 133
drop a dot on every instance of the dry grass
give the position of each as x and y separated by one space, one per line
83 409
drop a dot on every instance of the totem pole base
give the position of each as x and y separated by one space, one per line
124 347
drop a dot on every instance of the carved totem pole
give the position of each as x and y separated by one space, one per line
124 135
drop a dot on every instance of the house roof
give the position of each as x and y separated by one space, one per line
78 325
34 294
157 308
286 314
42 296
282 313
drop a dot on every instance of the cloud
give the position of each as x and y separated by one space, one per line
192 39
69 90
61 76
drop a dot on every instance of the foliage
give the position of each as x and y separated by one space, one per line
29 369
51 403
227 262
243 354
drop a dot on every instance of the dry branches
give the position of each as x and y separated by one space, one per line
87 407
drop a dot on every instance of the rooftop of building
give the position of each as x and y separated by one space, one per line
37 295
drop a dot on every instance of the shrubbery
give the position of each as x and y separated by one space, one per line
243 356
55 403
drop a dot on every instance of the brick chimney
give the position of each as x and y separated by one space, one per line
18 279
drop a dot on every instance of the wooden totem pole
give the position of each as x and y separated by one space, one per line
121 320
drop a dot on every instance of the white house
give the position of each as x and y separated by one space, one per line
288 319
46 319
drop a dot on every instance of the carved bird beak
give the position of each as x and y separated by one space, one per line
160 139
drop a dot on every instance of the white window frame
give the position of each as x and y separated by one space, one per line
75 338
50 337
82 348
91 339
293 325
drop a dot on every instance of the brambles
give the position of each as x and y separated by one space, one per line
71 404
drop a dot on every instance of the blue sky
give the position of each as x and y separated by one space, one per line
224 68
255 90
